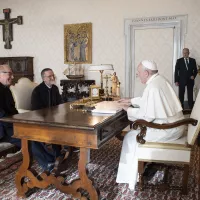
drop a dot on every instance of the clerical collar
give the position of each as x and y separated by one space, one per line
48 86
151 78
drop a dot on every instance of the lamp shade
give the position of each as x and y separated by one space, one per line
101 67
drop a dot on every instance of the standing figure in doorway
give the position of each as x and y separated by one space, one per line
185 73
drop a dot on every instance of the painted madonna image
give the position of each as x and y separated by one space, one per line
78 43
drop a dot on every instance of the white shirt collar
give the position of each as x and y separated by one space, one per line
151 78
187 62
48 86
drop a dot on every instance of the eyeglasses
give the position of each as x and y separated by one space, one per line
9 73
50 76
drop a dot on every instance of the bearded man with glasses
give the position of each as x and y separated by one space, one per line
46 95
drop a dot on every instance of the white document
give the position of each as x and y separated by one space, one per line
111 107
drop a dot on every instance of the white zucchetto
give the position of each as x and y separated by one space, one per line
149 64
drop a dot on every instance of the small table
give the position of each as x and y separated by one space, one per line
64 126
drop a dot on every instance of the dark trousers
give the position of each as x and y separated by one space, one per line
189 94
7 135
45 157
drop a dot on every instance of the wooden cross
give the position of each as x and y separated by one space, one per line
7 25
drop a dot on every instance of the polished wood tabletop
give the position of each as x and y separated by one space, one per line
60 116
62 125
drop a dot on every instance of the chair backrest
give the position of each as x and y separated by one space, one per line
193 131
22 92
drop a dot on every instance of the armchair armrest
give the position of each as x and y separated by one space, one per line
142 124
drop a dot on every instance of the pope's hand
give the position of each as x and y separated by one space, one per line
124 103
127 100
177 83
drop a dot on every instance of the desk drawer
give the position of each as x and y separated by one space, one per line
110 129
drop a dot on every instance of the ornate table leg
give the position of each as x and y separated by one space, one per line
86 183
44 181
22 171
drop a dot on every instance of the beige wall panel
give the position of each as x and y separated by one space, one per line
157 45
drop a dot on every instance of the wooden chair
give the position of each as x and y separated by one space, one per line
22 92
175 152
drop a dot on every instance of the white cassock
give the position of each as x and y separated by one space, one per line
158 104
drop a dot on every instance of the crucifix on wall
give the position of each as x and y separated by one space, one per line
7 25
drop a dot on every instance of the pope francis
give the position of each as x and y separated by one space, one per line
158 104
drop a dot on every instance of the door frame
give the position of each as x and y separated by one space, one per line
178 23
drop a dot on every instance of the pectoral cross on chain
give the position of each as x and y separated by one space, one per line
7 25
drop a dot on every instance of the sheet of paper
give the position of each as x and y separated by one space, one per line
110 107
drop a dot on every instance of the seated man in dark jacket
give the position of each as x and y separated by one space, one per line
46 95
7 106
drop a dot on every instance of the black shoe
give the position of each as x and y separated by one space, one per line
150 171
62 167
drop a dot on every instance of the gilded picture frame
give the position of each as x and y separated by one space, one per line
78 43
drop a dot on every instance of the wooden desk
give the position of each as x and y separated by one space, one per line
62 125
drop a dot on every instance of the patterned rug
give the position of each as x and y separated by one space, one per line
103 169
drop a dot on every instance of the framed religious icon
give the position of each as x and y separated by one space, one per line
78 43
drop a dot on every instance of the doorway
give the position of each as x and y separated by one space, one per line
155 38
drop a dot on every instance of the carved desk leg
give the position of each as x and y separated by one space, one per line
86 183
141 171
22 171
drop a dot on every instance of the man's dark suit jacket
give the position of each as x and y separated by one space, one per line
182 75
44 97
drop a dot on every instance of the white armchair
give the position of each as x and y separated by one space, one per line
22 92
176 152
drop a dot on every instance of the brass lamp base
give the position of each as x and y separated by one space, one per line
107 98
101 92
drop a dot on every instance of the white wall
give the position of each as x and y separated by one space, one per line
41 35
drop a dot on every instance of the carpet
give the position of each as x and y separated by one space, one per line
103 169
